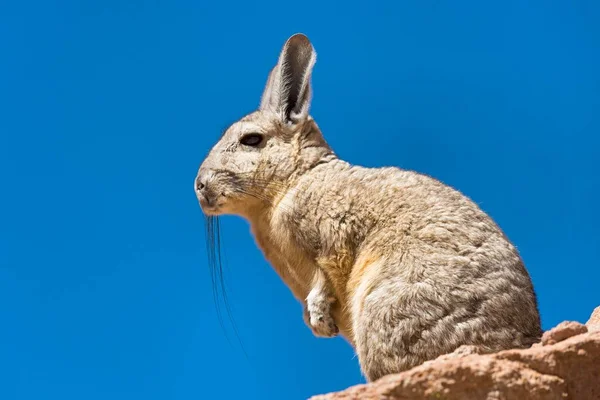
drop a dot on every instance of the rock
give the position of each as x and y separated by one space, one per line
461 352
593 323
566 365
562 331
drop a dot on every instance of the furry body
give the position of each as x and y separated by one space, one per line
403 266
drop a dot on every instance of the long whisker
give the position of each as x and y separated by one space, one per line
215 262
211 251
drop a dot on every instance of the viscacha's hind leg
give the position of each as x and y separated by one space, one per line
397 327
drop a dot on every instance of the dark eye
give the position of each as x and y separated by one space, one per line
251 139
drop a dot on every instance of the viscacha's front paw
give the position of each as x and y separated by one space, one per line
317 315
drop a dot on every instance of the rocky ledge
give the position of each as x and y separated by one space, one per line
564 365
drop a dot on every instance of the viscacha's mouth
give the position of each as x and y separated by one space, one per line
210 204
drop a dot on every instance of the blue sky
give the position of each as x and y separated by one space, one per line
108 108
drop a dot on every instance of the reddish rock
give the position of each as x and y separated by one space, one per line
593 323
562 331
566 366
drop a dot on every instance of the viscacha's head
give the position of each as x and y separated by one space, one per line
261 155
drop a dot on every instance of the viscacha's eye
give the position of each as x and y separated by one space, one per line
251 139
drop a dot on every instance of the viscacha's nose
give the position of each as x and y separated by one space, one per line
205 196
200 182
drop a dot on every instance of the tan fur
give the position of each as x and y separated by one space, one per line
405 267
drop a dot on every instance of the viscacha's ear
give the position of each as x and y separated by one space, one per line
288 91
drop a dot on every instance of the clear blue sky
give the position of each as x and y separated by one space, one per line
107 109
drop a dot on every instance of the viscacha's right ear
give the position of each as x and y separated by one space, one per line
288 91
